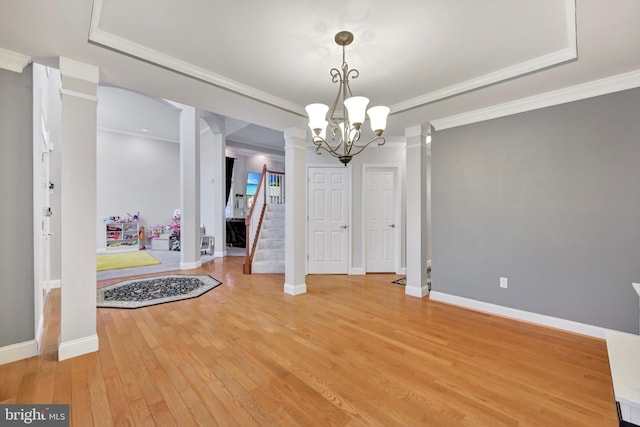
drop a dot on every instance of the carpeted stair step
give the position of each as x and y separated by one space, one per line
270 224
270 244
268 267
269 255
271 233
269 214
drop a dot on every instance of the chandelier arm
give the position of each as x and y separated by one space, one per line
354 73
319 141
336 75
362 147
328 149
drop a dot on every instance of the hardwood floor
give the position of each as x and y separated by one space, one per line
352 351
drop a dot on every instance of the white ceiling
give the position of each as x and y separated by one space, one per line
261 62
125 111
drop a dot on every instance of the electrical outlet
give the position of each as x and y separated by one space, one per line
504 282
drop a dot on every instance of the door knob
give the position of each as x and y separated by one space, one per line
344 227
392 225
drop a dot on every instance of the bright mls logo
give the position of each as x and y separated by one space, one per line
34 415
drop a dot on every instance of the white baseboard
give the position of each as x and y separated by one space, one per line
54 284
526 316
219 254
402 271
19 351
295 289
413 291
78 347
190 265
40 329
357 271
101 250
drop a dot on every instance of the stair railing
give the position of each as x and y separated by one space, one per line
270 191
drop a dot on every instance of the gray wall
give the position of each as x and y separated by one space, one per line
16 207
550 199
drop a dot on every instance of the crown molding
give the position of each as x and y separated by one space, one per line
599 87
570 52
120 44
13 61
138 135
79 70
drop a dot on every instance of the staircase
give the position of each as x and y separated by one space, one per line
269 256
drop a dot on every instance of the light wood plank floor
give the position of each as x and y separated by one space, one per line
352 351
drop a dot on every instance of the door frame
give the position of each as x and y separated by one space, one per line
349 213
398 214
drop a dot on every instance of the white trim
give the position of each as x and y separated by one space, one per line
77 347
40 327
13 61
599 87
190 265
19 351
295 289
219 254
402 271
420 144
568 53
526 316
78 95
79 70
393 144
417 130
54 284
413 291
123 45
357 271
136 134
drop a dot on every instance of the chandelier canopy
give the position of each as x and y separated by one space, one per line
345 124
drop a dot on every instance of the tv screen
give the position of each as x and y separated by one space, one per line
253 178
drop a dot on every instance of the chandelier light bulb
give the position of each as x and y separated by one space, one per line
317 116
356 107
378 117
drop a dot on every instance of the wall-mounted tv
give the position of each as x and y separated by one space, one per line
253 178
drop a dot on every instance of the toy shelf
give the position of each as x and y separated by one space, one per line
122 236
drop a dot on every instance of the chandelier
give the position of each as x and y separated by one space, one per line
345 124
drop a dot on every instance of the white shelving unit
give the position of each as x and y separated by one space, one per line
122 236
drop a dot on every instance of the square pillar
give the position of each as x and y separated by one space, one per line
78 209
189 188
417 214
295 211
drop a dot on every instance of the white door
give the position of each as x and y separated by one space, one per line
381 229
328 220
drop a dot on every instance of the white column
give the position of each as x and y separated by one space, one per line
219 193
417 231
78 209
189 188
295 211
217 174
